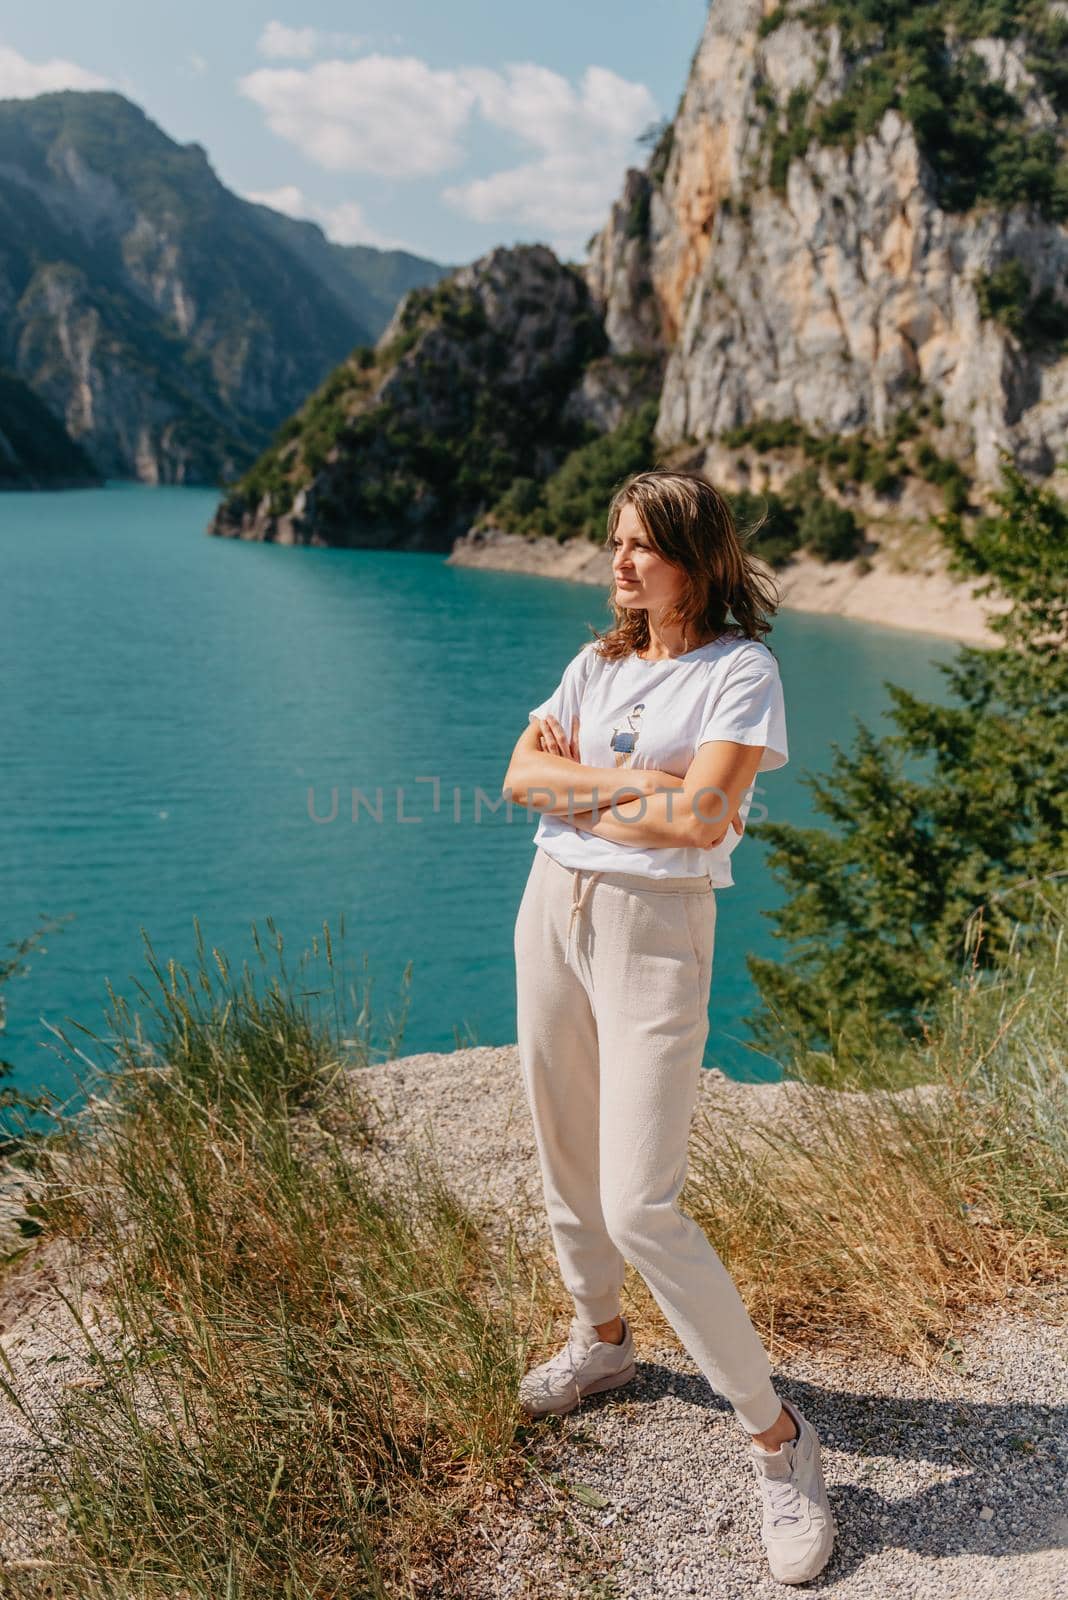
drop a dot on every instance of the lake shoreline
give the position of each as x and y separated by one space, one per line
919 596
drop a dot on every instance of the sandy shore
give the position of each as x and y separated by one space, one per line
914 592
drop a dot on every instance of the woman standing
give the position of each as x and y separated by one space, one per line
613 948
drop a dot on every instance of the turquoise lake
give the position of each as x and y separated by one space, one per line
179 708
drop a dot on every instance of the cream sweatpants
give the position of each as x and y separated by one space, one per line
613 976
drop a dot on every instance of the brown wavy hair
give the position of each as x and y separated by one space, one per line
690 523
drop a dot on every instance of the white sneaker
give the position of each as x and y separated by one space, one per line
586 1365
798 1524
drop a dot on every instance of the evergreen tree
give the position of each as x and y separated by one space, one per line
924 874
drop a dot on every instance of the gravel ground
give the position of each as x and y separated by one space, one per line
44 1357
954 1493
944 1484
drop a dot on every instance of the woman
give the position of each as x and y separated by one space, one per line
613 949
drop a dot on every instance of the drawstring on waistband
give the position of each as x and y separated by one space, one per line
577 902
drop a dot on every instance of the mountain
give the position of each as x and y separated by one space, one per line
856 210
169 323
465 390
369 281
36 451
842 275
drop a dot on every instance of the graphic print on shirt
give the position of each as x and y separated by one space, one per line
624 740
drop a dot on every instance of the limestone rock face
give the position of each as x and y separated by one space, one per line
469 390
529 313
620 276
839 300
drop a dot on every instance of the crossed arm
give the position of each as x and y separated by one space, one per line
652 807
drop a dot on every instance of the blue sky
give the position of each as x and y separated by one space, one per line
440 128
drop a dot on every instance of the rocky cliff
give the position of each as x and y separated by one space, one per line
171 325
465 391
36 452
848 216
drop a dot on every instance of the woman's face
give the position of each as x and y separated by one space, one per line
642 579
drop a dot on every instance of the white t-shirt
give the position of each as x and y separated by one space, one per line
635 713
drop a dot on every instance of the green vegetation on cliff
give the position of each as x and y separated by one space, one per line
572 501
914 56
804 515
1007 295
36 451
420 435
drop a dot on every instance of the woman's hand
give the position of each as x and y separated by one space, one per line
646 780
555 741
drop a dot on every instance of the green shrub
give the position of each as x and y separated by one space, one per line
637 224
768 523
572 500
658 161
773 20
972 131
765 433
948 474
829 530
1006 296
882 477
789 141
881 908
519 502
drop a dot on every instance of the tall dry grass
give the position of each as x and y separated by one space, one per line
871 1216
311 1379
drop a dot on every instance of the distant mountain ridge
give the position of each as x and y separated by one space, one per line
369 281
168 324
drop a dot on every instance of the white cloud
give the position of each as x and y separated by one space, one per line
581 142
288 198
344 223
198 63
390 115
280 43
397 117
20 79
